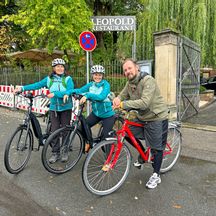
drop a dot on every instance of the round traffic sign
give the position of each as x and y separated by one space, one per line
87 41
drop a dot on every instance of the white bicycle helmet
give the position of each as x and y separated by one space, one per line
58 61
97 69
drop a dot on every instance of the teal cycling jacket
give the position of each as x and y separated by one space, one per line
57 88
98 94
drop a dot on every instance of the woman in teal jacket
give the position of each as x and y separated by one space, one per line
98 92
60 113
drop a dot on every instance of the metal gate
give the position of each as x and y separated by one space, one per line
188 83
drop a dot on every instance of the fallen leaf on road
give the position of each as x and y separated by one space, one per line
177 206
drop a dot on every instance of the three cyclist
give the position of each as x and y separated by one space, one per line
142 93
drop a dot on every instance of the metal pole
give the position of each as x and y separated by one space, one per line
87 78
134 45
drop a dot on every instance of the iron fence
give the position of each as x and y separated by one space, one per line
22 76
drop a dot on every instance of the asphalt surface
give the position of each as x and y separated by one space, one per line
189 189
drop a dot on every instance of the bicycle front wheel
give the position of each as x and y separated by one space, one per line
172 150
101 182
70 143
18 150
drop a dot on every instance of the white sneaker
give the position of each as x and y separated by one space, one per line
138 165
54 158
153 181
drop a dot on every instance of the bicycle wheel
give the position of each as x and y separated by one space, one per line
172 150
18 150
101 182
68 141
117 125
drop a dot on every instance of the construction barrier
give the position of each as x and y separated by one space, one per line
6 96
8 99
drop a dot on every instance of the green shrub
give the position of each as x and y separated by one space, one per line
202 89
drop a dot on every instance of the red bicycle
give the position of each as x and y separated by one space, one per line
105 171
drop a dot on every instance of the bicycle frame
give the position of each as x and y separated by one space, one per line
31 119
77 117
125 130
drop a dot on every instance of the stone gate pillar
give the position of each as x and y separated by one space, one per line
166 61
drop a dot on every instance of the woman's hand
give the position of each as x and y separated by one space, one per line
17 89
51 95
83 100
65 98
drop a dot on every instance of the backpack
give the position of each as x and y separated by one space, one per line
51 80
142 75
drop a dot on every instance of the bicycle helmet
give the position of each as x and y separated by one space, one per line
97 69
58 61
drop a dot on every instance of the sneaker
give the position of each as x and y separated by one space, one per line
64 157
54 158
153 181
138 165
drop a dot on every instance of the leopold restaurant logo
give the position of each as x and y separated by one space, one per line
114 23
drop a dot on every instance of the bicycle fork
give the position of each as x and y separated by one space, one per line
113 154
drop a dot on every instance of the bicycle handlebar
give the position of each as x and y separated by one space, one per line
30 95
77 96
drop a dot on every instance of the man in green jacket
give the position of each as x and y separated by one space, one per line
142 93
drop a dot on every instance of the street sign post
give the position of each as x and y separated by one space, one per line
88 43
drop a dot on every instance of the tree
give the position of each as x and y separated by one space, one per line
195 19
12 36
53 24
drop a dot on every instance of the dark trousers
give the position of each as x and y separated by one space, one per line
59 119
107 123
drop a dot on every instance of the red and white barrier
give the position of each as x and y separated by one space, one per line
8 99
6 96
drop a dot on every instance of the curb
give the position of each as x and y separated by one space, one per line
199 127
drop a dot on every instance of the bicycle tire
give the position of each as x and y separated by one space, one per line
174 140
18 150
94 178
117 125
74 146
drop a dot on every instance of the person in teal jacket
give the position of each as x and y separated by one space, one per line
98 92
60 112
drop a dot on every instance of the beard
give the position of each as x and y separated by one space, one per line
131 76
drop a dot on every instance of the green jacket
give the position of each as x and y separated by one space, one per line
144 95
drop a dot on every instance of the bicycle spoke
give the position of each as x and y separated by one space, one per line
101 181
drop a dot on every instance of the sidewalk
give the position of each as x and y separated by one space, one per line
199 134
199 143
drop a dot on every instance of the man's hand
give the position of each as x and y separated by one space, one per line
116 103
65 98
83 100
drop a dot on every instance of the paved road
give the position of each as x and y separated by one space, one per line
189 189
